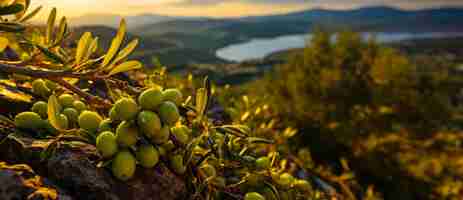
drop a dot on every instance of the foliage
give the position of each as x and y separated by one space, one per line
217 161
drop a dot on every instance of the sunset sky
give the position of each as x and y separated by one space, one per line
221 8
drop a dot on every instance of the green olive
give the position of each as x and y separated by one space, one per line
253 196
89 121
41 108
263 163
123 165
72 114
285 179
147 156
173 95
127 134
181 133
126 109
162 136
106 144
63 121
169 113
28 120
39 87
176 162
150 99
149 123
79 106
66 100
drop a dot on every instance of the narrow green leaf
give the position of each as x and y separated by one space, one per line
50 26
91 49
115 44
54 57
201 102
53 111
11 9
63 26
82 47
11 27
124 53
126 66
31 14
259 140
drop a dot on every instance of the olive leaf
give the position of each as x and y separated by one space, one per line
237 130
126 66
254 140
25 4
92 48
53 111
11 27
201 102
125 52
50 26
3 43
53 56
31 14
115 45
11 9
82 47
61 31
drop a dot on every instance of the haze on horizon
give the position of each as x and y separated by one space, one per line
221 8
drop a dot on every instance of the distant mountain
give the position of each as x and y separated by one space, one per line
180 40
113 20
362 19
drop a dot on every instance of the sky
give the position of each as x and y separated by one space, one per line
221 8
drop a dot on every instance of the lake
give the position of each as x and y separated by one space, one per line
259 48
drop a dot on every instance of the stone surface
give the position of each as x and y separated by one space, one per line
73 167
21 182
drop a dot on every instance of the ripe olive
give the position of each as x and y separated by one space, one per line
123 165
150 99
106 144
89 121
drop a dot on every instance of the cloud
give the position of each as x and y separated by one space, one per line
222 8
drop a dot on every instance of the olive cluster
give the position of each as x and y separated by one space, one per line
139 132
37 119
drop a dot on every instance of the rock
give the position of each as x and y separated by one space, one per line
74 167
21 182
